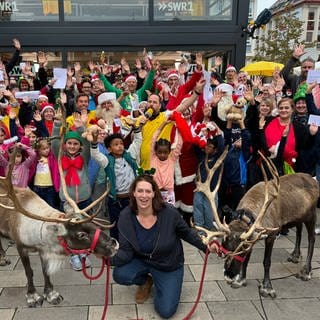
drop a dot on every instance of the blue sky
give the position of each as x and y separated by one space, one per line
264 4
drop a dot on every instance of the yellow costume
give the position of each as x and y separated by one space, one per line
148 131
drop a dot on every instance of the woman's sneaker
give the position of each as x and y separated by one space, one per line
75 262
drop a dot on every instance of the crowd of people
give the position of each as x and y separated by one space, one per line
152 132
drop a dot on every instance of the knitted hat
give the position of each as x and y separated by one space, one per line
105 96
45 106
130 77
230 68
72 135
301 93
172 73
42 96
94 77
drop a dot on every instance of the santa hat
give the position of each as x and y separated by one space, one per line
43 96
45 106
172 73
235 98
31 125
231 68
130 77
106 96
94 77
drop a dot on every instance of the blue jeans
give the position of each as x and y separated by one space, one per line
167 284
114 209
202 213
48 194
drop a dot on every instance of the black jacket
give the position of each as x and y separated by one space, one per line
168 252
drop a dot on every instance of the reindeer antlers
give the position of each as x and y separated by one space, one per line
268 197
204 187
11 194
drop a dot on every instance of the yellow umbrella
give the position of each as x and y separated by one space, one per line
262 68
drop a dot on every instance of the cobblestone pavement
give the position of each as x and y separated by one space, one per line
84 299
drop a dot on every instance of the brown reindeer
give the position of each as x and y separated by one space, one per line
35 226
289 201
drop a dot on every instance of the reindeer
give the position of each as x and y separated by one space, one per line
48 232
289 201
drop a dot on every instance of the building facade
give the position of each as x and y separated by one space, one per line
79 29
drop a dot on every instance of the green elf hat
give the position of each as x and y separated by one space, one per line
73 135
301 93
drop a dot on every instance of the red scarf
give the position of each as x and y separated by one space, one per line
273 133
72 166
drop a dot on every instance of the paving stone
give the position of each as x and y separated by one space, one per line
256 271
278 255
123 312
283 242
147 312
126 294
75 313
295 309
231 310
250 292
210 292
295 268
213 272
193 257
6 314
14 278
12 265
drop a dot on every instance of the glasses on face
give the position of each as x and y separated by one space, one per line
86 87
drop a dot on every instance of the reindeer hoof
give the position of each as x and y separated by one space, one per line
4 261
34 300
265 292
53 297
294 258
303 275
239 283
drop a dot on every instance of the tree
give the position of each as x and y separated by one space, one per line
277 45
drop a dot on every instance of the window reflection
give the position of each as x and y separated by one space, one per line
192 10
29 10
112 10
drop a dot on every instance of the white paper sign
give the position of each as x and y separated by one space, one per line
1 75
313 76
33 95
313 119
60 74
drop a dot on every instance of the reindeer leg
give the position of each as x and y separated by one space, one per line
33 298
305 272
52 296
266 288
240 280
296 253
3 258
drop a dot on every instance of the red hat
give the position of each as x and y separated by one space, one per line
172 73
130 77
230 68
94 77
43 96
31 125
235 97
45 106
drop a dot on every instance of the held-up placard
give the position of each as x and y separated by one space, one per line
313 119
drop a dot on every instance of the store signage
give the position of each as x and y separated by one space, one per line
176 6
8 6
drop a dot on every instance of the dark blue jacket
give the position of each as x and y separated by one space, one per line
168 252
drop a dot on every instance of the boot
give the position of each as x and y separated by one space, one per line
143 291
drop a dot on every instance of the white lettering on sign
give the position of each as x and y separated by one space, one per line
8 6
176 6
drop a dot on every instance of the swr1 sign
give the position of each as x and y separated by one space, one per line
185 6
8 6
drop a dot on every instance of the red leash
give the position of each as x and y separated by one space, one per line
189 315
221 251
84 271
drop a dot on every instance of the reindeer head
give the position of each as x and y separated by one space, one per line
245 230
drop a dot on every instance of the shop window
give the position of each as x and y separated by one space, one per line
112 10
166 10
30 10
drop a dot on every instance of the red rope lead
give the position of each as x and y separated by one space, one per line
189 315
84 270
